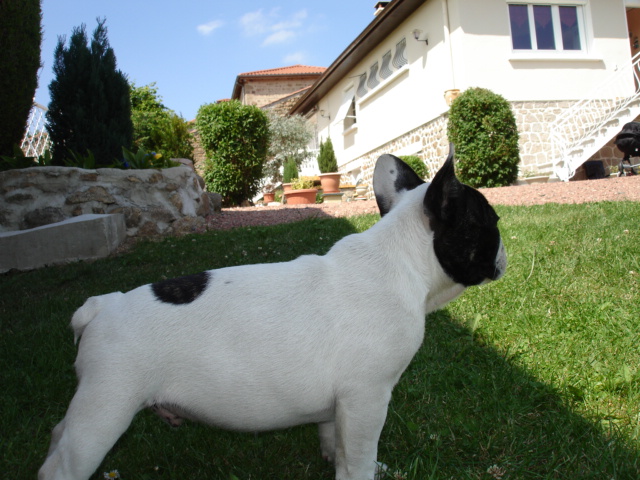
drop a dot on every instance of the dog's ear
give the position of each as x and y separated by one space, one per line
441 199
391 178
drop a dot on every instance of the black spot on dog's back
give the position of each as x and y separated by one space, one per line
181 290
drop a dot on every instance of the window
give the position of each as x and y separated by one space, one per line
546 27
347 111
362 85
385 70
399 59
373 76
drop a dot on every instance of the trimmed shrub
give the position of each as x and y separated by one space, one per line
90 107
417 165
20 37
483 129
157 128
327 162
235 138
290 171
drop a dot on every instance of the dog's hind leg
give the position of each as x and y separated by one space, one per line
96 418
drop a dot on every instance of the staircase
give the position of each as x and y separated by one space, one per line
585 127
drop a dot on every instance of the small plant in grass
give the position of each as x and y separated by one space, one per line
483 129
417 165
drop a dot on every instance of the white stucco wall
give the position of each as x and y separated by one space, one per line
477 53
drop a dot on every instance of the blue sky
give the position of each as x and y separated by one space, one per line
194 49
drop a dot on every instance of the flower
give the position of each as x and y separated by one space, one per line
111 474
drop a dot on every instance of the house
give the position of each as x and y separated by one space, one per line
277 88
568 68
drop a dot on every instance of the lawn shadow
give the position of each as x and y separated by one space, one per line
463 410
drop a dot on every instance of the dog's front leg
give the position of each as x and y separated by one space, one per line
359 421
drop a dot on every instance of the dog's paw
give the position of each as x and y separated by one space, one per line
381 471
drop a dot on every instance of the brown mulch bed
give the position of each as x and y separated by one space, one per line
607 189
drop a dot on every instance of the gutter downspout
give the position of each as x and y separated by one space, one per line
447 36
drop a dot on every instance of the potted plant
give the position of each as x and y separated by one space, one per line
289 174
302 192
268 194
328 164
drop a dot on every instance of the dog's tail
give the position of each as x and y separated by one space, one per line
88 312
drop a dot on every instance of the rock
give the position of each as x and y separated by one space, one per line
215 201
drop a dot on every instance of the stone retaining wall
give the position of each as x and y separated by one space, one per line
153 202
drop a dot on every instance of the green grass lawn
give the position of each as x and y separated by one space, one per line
535 376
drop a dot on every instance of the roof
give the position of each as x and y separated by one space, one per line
294 70
382 25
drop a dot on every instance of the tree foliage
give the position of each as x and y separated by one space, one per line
289 138
235 138
157 128
20 38
290 171
327 161
90 107
483 129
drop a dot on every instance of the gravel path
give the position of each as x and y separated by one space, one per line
608 189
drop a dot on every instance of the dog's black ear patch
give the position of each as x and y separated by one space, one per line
466 238
391 177
181 290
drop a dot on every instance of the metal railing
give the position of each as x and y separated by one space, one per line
584 121
36 138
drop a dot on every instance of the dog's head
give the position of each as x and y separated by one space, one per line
466 239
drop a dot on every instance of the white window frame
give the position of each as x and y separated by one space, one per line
582 17
343 119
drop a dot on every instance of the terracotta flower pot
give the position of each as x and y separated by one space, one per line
330 182
269 197
300 197
286 187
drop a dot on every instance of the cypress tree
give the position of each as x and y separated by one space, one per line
20 38
90 107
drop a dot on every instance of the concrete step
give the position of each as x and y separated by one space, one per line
85 237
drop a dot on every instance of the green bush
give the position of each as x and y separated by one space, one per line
290 171
235 138
327 162
20 37
417 165
157 128
483 129
90 107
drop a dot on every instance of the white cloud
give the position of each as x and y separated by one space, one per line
279 36
275 27
208 28
294 58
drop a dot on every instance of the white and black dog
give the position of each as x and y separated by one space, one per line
223 348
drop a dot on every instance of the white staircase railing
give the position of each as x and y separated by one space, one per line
36 137
588 124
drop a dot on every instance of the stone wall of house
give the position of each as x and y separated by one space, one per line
153 202
532 118
262 91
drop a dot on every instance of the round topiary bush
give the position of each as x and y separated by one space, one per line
483 129
416 165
